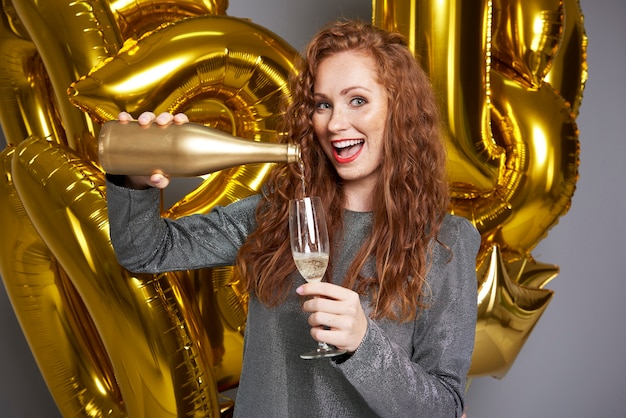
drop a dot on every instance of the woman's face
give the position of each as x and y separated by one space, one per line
350 117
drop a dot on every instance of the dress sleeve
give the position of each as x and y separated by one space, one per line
429 381
144 242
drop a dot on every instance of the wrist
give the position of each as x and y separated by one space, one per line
137 183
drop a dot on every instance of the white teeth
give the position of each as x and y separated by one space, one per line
347 143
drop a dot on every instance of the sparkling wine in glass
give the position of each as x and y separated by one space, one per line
310 249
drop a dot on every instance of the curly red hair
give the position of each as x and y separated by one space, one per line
412 191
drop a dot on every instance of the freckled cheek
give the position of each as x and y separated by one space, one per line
319 126
326 147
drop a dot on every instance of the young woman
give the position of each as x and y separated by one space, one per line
400 294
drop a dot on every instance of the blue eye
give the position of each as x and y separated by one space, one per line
358 101
322 105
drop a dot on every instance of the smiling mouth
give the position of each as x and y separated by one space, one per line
347 150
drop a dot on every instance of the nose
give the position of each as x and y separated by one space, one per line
338 120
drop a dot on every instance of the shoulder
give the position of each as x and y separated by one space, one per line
453 269
456 228
458 240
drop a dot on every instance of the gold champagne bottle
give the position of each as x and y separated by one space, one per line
185 150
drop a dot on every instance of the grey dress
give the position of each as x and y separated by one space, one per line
412 369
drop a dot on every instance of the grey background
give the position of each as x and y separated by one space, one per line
573 365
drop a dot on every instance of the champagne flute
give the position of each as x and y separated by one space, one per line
310 249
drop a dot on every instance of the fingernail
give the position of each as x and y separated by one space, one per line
299 290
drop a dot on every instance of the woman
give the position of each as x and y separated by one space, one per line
400 294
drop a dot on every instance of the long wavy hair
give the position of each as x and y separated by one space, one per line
411 194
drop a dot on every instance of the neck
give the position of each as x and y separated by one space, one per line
358 200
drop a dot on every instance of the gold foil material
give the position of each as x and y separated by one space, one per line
510 75
110 343
190 149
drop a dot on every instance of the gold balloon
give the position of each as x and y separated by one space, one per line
137 17
65 40
70 37
147 325
236 89
57 326
27 107
507 313
233 83
222 306
510 76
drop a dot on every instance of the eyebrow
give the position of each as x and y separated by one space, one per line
345 91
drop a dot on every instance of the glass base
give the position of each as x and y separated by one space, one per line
323 351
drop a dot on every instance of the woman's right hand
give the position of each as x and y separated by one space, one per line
158 179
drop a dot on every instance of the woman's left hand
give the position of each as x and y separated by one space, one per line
336 308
